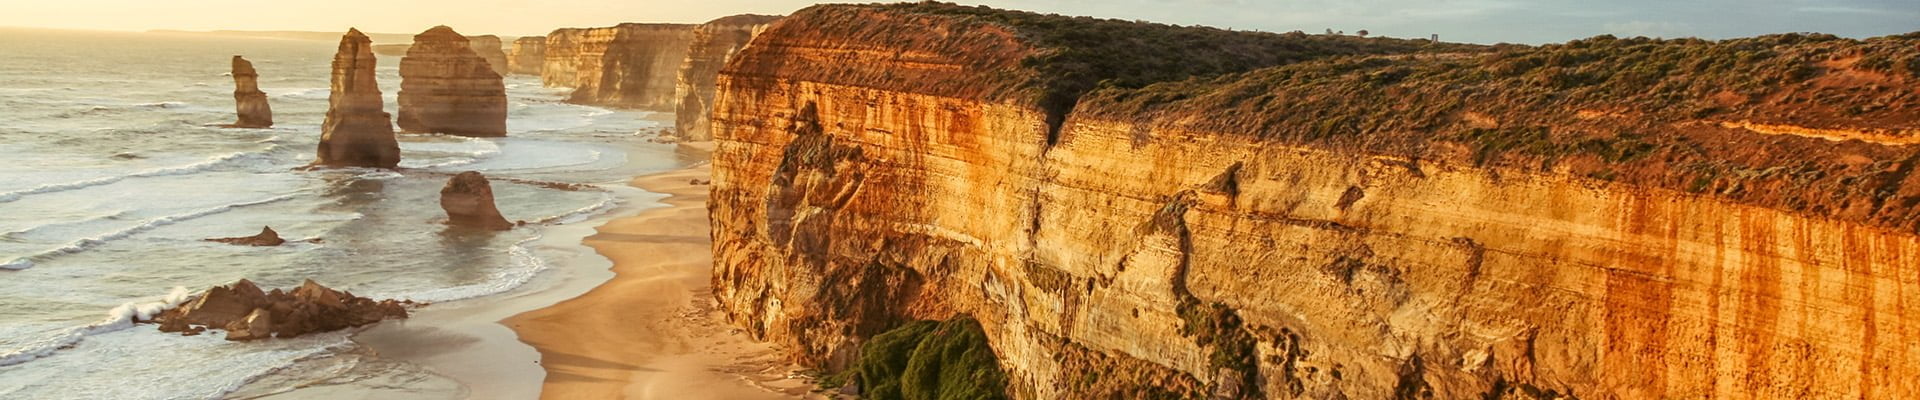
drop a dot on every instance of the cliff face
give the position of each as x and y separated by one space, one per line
490 48
1531 223
630 65
357 131
446 88
713 44
249 102
527 56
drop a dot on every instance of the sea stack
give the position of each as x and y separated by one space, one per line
713 43
249 101
490 48
528 54
357 132
446 88
468 200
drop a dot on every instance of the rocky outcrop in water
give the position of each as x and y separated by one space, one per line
630 65
358 132
446 88
1536 222
527 56
468 200
391 50
249 102
247 313
713 44
491 49
266 238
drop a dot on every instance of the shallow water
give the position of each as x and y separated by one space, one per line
115 171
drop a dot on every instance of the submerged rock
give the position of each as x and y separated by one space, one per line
267 237
249 102
446 88
358 131
247 313
468 200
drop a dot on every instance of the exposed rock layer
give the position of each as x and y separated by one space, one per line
358 132
1349 228
528 55
713 44
630 65
266 238
247 313
446 88
468 201
249 102
490 48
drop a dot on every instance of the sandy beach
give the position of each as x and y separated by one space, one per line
651 332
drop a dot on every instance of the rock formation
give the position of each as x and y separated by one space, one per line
630 65
266 238
247 313
249 102
528 55
713 44
358 132
391 50
490 48
468 200
1536 222
446 88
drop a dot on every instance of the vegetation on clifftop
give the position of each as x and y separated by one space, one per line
927 360
1667 113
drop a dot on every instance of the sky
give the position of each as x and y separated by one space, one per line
1477 21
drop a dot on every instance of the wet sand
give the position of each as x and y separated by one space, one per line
651 332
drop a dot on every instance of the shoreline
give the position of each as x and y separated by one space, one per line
651 330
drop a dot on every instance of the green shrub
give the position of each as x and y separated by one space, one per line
927 360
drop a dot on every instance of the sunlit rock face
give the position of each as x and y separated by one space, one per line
249 102
446 88
629 66
1343 227
528 55
713 44
490 48
357 132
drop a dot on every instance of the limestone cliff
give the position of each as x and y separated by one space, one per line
527 56
713 44
357 132
490 48
630 65
446 88
1603 219
249 102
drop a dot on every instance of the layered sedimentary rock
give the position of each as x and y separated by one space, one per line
1529 223
357 132
249 102
630 65
713 44
248 313
490 48
528 55
392 50
446 88
468 201
266 238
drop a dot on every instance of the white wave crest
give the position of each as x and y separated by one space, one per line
607 203
83 244
525 266
203 165
121 317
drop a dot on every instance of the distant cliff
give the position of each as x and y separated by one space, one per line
713 44
528 55
630 65
1135 210
447 87
490 48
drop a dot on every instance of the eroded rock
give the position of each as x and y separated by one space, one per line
358 132
468 201
247 313
630 65
446 88
249 102
490 48
266 238
527 56
712 45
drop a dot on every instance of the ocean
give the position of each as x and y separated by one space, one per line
113 169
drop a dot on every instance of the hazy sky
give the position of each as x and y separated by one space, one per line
1485 21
